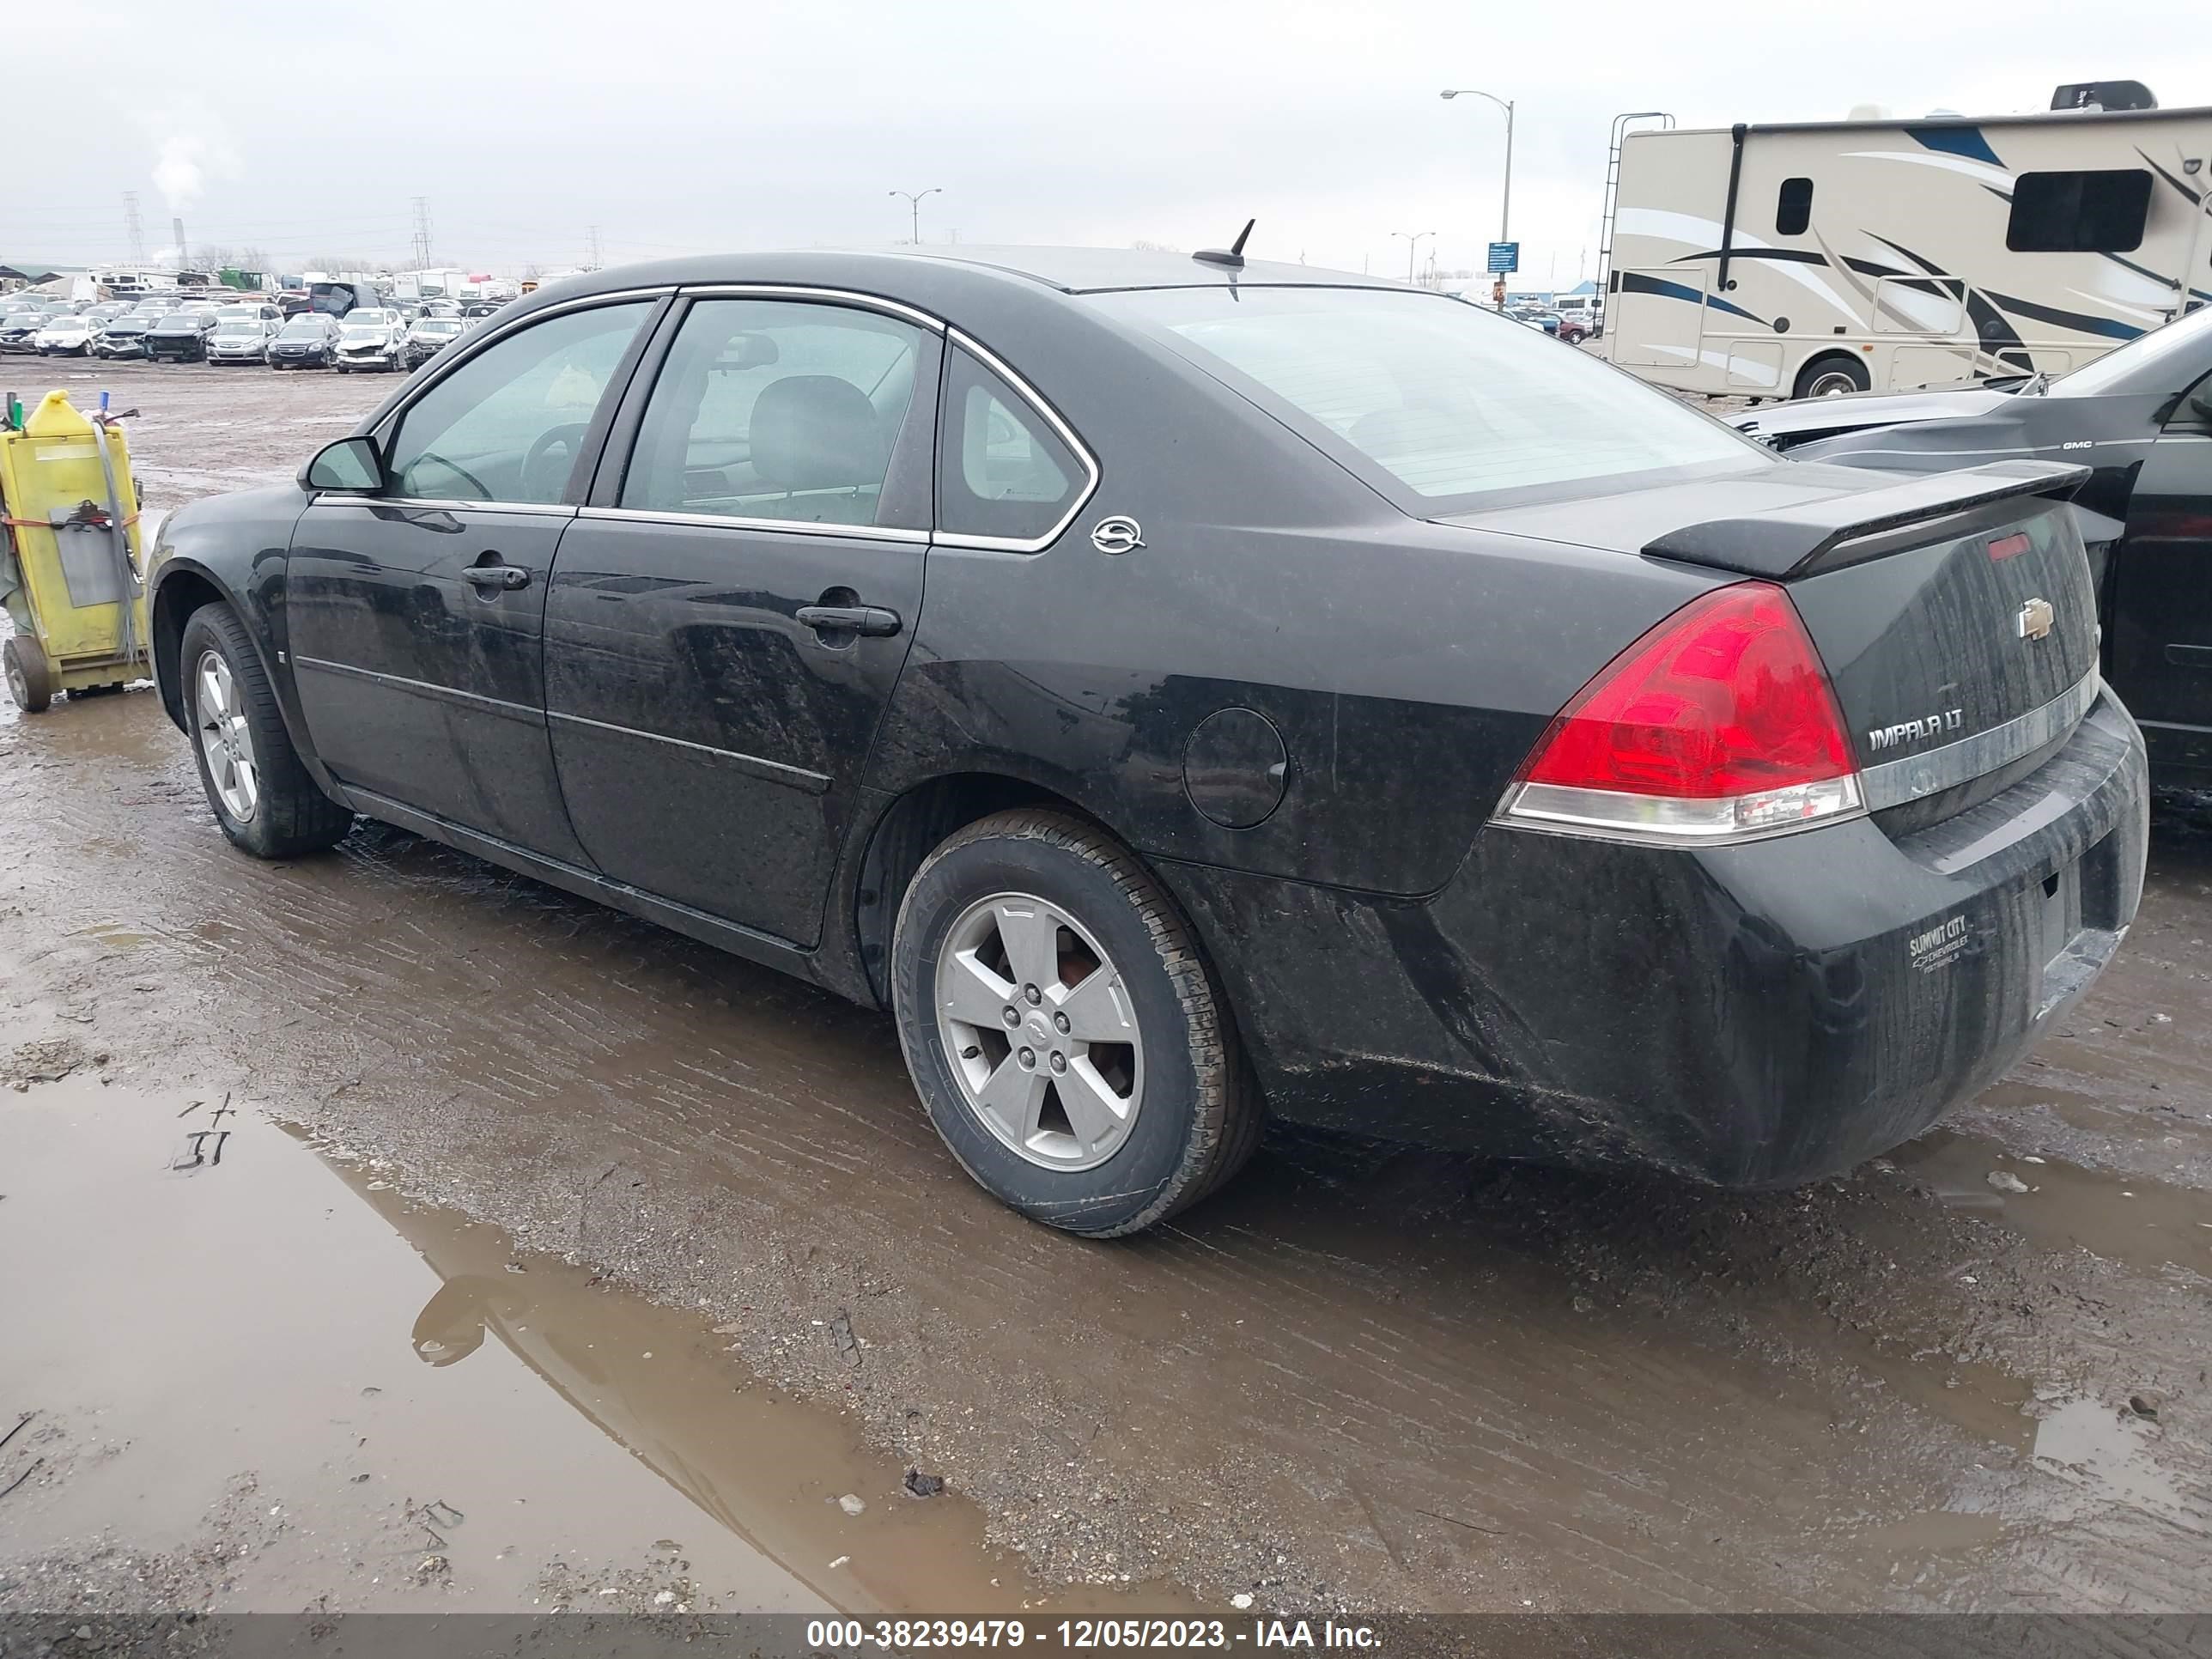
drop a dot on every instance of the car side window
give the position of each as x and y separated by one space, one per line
1002 470
776 410
508 425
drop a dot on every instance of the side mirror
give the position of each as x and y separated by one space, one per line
2200 405
351 466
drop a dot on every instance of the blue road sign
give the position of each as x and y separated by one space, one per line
1504 257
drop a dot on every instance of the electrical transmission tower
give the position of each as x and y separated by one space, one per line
422 232
595 247
132 228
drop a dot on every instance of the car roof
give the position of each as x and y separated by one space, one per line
899 271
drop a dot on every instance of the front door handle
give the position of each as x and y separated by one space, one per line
486 578
872 620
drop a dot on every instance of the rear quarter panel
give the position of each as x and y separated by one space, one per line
1408 666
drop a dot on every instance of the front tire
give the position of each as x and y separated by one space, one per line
261 795
1065 1037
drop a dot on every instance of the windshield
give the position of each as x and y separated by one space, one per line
368 319
1439 405
438 326
183 323
2143 364
239 328
303 330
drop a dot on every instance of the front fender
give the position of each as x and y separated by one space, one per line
232 550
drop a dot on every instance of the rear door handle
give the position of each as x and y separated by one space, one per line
504 577
872 620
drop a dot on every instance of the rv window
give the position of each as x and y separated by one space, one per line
2079 212
1793 206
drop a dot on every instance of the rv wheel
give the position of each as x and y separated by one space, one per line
1832 376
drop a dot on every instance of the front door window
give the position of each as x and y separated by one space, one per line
509 424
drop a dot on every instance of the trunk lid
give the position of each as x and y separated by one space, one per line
1955 612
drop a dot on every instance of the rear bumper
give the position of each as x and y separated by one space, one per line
1751 1016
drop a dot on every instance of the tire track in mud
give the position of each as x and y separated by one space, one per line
1415 1380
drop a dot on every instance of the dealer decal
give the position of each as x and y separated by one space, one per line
1943 943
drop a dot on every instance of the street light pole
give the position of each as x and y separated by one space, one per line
1413 241
1505 212
913 203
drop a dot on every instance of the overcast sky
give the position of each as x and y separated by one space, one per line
693 126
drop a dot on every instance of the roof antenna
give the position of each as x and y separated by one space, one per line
1233 256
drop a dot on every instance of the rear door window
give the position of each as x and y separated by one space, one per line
777 411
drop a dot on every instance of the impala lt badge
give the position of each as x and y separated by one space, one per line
2035 619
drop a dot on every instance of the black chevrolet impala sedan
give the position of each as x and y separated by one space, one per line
1180 689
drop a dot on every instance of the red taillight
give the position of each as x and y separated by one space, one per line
2006 547
1720 722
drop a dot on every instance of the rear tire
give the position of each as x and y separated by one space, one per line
30 676
1164 1108
1832 376
261 795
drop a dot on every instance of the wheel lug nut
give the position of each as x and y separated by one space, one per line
1060 1023
1032 994
1059 1060
1029 1060
1012 1016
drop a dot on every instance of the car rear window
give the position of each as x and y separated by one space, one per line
1441 405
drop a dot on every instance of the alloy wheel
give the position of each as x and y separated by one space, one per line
1040 1031
225 739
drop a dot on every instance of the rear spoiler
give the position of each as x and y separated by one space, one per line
1790 539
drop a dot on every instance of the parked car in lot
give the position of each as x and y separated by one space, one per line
19 331
2141 418
123 337
427 336
67 336
240 340
372 338
1327 699
181 337
307 341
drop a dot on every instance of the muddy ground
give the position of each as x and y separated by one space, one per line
639 1259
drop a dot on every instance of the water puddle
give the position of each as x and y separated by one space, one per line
2107 1453
2061 1207
201 1305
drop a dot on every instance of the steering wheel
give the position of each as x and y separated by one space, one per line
457 469
570 436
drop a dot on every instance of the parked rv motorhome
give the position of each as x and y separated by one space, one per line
1798 260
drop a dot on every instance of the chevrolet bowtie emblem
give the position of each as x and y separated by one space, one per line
2035 619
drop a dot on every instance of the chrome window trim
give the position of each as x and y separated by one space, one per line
1892 783
467 350
798 777
774 526
1067 435
429 504
799 291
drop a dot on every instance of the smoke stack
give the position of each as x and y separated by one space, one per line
176 229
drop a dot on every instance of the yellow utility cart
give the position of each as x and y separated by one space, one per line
71 572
